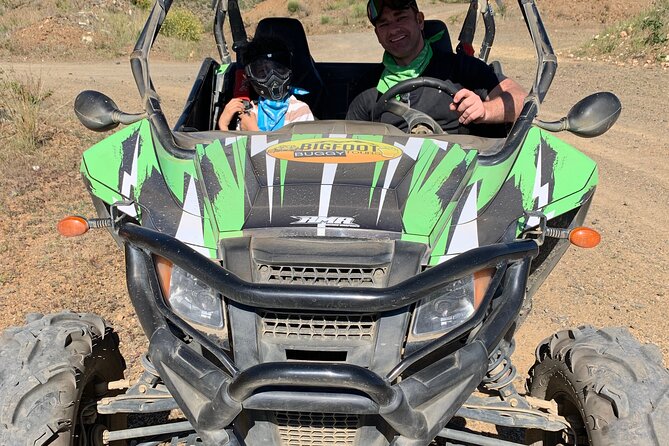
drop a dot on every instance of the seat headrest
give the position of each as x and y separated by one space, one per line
288 30
431 28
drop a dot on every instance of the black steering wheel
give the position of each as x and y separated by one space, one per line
413 118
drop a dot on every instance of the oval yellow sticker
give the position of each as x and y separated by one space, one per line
334 150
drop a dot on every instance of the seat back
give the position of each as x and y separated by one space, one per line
431 28
305 75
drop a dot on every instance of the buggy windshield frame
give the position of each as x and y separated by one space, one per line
178 146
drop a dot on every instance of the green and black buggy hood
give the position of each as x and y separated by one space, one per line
427 190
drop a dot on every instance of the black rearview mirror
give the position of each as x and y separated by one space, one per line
97 112
591 116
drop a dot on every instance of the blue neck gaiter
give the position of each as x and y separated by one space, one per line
272 114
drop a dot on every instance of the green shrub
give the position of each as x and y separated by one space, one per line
645 36
182 24
294 6
359 10
325 20
654 25
143 4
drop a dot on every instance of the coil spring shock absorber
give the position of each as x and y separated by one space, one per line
502 372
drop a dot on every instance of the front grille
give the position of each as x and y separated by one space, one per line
322 275
318 326
316 429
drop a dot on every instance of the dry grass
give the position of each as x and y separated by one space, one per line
24 113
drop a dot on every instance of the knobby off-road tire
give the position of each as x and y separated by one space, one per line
612 389
49 371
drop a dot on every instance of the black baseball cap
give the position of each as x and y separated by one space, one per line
375 7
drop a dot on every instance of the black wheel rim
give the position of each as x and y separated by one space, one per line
571 411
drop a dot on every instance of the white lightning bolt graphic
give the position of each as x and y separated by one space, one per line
190 226
130 182
270 163
466 233
411 150
540 191
258 144
327 181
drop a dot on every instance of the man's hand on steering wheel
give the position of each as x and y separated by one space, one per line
469 106
413 118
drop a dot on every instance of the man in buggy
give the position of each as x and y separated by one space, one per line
482 96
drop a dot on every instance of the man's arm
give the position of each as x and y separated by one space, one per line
503 104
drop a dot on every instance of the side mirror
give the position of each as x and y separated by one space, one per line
591 116
99 113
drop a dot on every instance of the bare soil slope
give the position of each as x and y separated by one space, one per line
623 282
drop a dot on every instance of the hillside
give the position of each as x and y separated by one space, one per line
100 29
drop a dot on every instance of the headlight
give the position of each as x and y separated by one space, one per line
188 296
451 306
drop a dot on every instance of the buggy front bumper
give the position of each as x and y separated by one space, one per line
435 380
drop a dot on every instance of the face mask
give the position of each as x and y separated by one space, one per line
269 78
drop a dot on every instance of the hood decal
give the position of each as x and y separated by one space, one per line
390 173
541 189
334 151
329 171
270 163
375 180
129 181
190 225
412 147
258 144
466 233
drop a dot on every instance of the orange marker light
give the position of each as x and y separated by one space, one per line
481 282
584 237
164 270
72 226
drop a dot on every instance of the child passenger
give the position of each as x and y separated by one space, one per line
267 64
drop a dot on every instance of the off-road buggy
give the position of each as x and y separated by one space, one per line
333 282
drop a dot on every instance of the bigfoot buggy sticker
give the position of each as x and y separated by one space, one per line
334 150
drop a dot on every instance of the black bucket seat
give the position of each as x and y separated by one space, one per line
305 75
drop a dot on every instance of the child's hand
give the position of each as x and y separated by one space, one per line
249 121
232 108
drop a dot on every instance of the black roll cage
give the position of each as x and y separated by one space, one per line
546 68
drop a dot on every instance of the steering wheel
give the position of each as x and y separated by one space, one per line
413 118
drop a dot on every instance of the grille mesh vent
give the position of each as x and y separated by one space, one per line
324 276
316 429
318 326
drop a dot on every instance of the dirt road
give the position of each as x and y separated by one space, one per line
621 283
